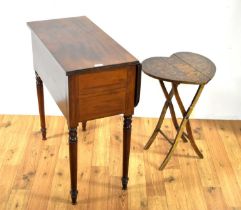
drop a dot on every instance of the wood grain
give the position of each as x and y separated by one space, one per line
89 75
51 74
65 48
79 45
102 94
181 67
34 173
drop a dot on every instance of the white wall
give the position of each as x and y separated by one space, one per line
145 28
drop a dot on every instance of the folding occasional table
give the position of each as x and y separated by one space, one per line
180 68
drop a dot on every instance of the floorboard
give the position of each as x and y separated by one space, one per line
35 173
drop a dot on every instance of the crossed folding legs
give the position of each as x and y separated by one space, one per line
185 123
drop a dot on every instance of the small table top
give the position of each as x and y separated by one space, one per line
181 67
78 44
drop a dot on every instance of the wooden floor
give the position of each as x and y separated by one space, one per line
34 174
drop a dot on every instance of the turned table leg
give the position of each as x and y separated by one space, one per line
40 94
126 149
73 163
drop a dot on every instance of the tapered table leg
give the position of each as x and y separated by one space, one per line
126 149
40 93
73 140
185 120
178 136
171 108
160 121
188 125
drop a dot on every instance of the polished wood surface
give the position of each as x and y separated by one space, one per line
40 94
126 149
34 173
181 67
73 158
89 75
103 93
79 45
51 73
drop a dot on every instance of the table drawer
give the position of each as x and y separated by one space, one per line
104 79
101 94
99 105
